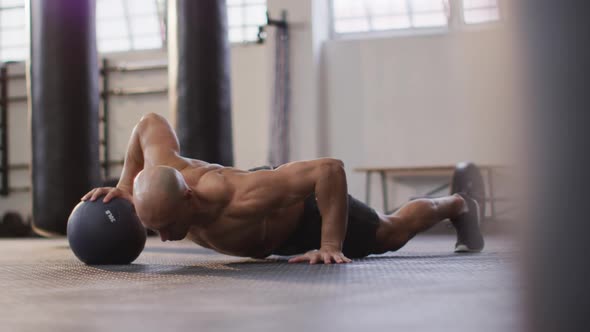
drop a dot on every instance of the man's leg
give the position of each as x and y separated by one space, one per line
396 229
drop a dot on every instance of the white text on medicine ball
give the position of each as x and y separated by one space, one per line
110 215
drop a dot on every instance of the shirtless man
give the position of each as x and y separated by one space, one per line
300 208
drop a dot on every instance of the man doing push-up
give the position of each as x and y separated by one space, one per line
300 208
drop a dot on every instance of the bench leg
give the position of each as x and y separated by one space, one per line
492 194
368 188
384 190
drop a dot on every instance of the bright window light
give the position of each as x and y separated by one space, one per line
14 42
244 17
354 16
123 25
480 11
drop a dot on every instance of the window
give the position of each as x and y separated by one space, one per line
244 17
123 25
480 11
14 42
351 16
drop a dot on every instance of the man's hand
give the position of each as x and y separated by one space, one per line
109 193
327 255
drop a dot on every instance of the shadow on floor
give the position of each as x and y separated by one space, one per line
279 270
191 251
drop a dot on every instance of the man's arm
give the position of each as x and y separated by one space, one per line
293 182
133 159
152 142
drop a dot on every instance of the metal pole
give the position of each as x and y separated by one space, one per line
492 193
105 116
384 189
4 127
368 187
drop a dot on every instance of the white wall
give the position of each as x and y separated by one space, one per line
19 143
413 100
250 101
420 100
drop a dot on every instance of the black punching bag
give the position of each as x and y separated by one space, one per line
63 73
199 79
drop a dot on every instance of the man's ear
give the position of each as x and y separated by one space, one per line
188 193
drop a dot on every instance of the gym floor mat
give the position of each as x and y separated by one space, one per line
182 287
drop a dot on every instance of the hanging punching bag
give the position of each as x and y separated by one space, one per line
199 79
63 77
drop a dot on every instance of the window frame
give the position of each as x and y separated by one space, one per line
26 44
455 22
482 25
243 27
130 37
401 32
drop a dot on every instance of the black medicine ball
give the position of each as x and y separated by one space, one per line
106 233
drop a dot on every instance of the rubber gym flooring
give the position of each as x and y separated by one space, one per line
183 287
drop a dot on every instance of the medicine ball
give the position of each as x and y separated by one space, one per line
106 233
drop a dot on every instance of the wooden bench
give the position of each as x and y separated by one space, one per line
488 172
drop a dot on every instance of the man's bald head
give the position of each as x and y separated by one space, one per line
158 193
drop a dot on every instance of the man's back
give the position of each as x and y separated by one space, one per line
240 224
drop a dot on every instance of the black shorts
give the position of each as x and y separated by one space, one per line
361 232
